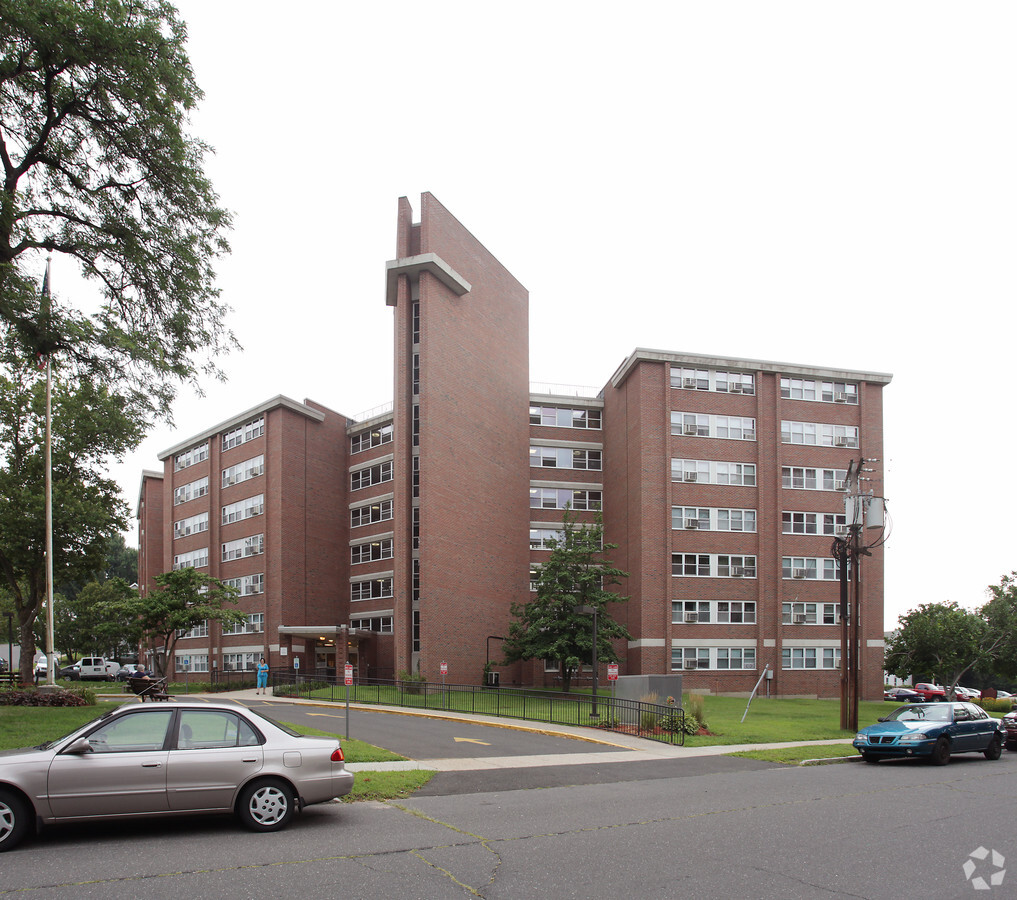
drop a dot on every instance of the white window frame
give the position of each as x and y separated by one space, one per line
243 471
578 458
193 559
190 491
818 434
188 458
191 525
712 518
241 548
247 584
715 565
243 509
724 428
812 478
244 433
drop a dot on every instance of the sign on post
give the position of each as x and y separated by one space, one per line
612 671
349 673
444 668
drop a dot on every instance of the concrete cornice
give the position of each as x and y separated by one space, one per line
277 402
425 262
641 354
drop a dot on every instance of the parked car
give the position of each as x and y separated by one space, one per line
930 692
932 730
965 693
42 668
95 668
170 759
903 695
73 672
1010 727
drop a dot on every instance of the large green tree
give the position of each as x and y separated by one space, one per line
576 573
943 642
184 598
90 426
98 166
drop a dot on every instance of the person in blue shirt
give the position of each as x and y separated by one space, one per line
262 677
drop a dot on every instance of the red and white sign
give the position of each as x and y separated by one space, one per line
612 671
444 668
349 674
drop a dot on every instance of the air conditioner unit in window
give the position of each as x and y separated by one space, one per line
799 618
748 435
691 618
840 485
735 387
692 524
689 382
691 664
841 531
691 476
841 442
840 397
799 573
691 429
737 571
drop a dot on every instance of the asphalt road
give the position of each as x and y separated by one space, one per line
896 830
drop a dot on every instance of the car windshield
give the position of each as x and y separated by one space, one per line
926 712
64 737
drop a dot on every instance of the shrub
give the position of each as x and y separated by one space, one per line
1002 705
32 697
695 707
412 683
691 725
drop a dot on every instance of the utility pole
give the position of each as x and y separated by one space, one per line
861 509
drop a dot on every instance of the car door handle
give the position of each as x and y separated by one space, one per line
250 759
152 765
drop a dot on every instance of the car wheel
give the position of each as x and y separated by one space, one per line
869 757
15 816
266 806
995 748
940 753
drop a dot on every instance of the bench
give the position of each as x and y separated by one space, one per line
148 689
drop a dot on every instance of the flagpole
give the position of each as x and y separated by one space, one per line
50 665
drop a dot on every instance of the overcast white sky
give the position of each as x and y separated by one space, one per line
823 183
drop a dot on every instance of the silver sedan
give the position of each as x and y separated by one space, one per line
170 759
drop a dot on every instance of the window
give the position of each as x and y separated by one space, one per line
249 468
190 491
565 417
825 391
794 613
818 434
371 475
712 565
721 612
708 380
373 438
691 612
247 584
132 732
722 658
195 631
193 525
190 457
191 662
809 568
374 589
711 519
380 511
195 559
248 432
559 498
798 478
381 624
415 527
703 471
812 523
213 729
733 428
544 538
415 321
243 509
255 624
810 658
237 662
238 549
371 551
565 458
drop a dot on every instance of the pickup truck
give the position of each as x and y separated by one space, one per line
930 692
95 668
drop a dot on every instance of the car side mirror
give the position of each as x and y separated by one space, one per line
80 745
881 719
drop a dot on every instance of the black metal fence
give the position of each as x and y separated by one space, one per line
654 721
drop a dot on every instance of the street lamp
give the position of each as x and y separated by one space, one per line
587 610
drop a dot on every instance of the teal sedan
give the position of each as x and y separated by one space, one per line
933 731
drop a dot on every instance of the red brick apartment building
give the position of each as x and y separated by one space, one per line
397 540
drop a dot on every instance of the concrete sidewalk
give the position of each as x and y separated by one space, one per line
628 748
